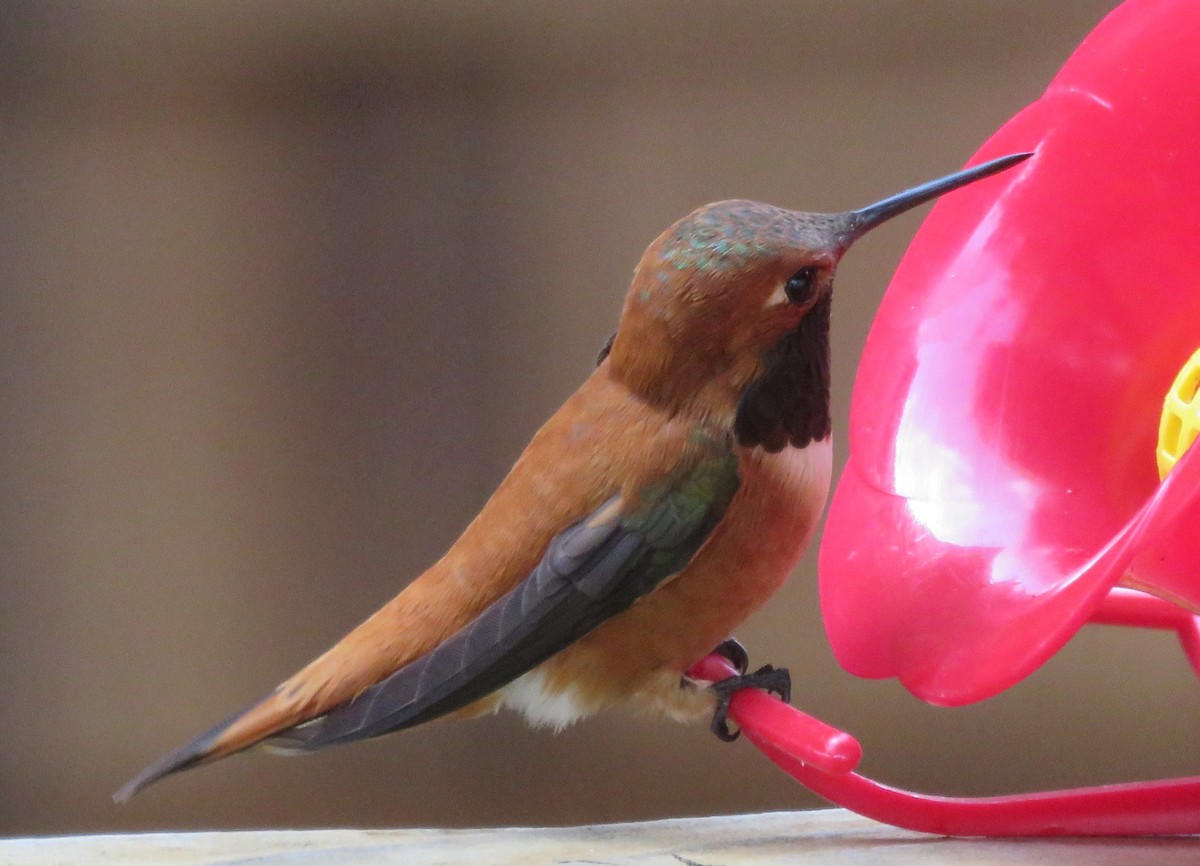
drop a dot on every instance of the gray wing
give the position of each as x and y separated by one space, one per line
590 572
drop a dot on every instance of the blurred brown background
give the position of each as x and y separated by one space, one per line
285 288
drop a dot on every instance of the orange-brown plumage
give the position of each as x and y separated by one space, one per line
599 440
750 553
664 502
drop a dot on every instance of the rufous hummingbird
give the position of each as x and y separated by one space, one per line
663 503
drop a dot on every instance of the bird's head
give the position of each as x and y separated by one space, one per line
718 297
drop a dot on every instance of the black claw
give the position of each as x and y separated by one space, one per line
720 722
732 651
769 678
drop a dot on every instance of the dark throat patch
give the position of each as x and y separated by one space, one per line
789 403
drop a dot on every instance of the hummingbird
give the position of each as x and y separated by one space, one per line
663 503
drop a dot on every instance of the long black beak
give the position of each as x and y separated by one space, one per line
864 219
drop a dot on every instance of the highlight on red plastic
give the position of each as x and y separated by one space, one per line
1002 475
1002 487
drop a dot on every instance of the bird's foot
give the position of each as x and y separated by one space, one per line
768 677
732 651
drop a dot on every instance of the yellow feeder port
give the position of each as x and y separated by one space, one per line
1180 416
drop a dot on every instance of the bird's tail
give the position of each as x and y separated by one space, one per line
359 659
272 714
371 652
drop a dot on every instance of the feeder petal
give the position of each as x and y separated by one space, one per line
1003 425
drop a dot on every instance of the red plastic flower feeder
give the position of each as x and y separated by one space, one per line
1025 382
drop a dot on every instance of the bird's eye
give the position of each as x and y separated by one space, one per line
799 287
